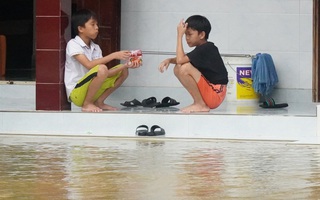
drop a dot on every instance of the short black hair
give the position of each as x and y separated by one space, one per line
81 17
199 23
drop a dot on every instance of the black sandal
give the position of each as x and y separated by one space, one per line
167 101
133 103
270 103
150 102
156 130
142 130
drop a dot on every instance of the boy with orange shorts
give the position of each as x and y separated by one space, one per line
201 71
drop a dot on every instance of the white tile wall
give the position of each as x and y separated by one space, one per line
282 28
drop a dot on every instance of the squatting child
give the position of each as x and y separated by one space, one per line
201 71
87 79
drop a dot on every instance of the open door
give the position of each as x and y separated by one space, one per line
17 42
109 13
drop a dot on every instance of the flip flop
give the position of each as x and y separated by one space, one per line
279 105
132 103
156 130
167 101
142 130
270 103
150 102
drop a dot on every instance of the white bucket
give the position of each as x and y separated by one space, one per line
240 82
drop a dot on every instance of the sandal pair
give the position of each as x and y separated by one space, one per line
155 130
166 102
151 102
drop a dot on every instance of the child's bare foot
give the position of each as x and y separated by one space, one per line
195 108
104 106
91 108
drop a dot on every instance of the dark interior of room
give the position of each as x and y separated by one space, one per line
17 25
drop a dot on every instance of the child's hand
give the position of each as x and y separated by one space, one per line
164 65
133 65
122 55
182 27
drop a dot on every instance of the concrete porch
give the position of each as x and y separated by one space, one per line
243 120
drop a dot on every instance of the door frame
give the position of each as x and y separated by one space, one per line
316 52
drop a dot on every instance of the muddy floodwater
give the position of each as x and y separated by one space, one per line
36 167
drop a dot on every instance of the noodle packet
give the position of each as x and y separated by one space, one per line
136 56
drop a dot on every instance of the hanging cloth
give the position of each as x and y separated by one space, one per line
263 73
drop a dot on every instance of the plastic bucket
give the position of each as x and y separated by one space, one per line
240 82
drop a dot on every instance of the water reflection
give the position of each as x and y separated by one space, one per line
89 168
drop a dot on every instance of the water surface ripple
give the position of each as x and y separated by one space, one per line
141 169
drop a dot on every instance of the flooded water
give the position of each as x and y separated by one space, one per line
141 169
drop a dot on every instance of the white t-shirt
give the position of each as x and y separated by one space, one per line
74 71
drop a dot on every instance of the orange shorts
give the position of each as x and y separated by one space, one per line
212 94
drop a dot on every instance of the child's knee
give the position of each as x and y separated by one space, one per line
177 69
182 69
103 71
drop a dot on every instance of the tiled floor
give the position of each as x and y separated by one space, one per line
232 108
21 97
232 120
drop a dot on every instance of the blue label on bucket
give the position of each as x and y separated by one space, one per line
244 84
243 73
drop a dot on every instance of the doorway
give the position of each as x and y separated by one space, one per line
17 26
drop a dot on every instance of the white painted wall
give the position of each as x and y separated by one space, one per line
282 28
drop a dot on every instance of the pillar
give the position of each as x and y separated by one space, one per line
53 30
